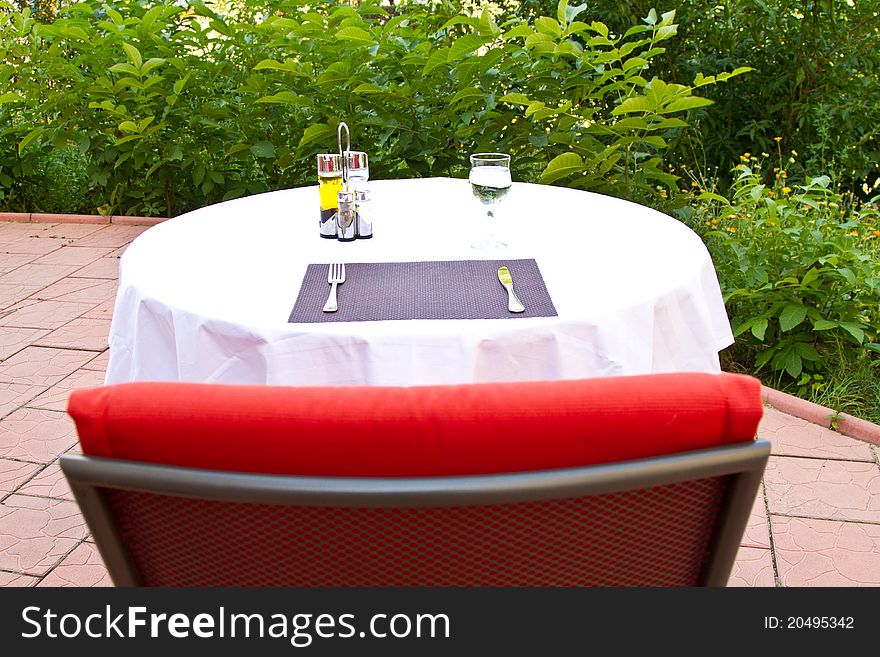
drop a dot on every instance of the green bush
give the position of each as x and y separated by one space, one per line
178 107
799 269
816 81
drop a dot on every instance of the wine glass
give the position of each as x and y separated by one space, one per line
490 182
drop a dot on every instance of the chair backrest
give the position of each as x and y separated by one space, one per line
643 481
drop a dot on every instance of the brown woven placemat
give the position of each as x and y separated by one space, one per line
448 289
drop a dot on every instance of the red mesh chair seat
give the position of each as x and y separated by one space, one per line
642 481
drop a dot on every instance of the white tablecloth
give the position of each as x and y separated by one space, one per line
206 296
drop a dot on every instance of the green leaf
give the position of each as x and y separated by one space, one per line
515 99
28 138
634 104
437 58
686 103
807 351
824 325
316 132
284 97
469 92
133 54
811 275
534 107
522 30
548 25
706 196
11 97
466 45
854 330
847 274
792 315
125 67
561 166
666 32
150 64
632 62
759 328
793 363
356 35
263 149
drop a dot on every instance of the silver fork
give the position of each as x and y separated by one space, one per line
335 276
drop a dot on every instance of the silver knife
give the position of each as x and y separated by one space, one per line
514 305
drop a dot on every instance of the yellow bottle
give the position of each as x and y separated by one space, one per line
329 186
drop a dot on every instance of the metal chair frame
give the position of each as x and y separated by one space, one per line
743 462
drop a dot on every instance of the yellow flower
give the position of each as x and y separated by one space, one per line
877 233
695 184
854 233
786 190
732 229
663 193
777 139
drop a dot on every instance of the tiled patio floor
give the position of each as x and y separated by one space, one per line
816 521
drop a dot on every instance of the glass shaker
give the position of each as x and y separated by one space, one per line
329 186
364 214
346 218
358 169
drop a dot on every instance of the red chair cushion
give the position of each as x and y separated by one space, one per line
416 431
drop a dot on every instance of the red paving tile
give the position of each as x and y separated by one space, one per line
753 567
74 255
49 483
101 311
37 533
35 276
81 290
98 363
796 437
13 340
17 580
13 293
55 398
10 261
42 366
757 532
826 553
45 314
14 473
100 268
82 567
72 231
112 236
82 333
35 435
33 244
832 490
15 395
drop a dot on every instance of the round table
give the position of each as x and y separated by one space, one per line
206 296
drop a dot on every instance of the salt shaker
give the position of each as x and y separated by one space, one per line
364 214
346 218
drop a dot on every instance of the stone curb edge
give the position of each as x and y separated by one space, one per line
40 217
826 417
